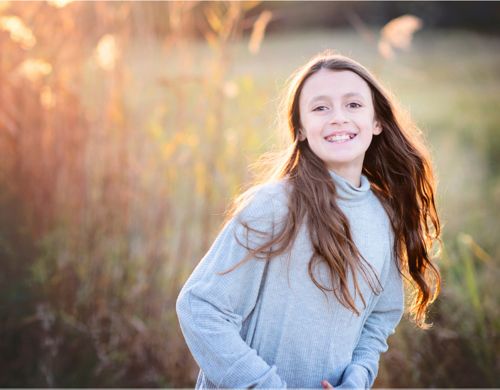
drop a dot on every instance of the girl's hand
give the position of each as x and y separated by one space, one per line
326 384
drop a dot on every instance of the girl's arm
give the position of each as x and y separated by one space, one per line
379 325
211 307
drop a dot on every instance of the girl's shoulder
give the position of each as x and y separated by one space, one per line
266 201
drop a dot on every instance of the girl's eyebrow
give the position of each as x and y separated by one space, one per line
353 94
319 97
346 95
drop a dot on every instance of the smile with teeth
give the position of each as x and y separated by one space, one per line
339 138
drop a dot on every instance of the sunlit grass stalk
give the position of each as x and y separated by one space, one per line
470 253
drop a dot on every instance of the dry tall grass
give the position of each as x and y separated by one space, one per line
100 195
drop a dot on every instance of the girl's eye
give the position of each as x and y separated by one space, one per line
320 108
354 105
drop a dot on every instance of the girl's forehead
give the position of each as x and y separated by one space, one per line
331 83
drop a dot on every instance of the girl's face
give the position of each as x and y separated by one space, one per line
338 119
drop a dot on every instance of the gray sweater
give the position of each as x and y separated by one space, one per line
270 326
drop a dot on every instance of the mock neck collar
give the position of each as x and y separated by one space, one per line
349 193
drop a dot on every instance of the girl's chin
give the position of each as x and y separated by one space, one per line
343 161
340 164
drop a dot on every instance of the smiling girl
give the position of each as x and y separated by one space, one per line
304 284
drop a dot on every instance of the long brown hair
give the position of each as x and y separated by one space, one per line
399 169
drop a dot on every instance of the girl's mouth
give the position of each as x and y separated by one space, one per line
340 138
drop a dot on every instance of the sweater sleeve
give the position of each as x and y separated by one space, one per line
211 308
380 324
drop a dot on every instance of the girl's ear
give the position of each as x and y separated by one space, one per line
302 135
377 129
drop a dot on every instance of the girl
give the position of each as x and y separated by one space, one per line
304 283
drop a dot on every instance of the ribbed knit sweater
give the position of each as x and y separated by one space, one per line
267 325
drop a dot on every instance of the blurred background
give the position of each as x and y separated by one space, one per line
127 127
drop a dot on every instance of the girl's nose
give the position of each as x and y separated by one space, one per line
338 117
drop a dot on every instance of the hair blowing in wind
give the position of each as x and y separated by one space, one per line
399 169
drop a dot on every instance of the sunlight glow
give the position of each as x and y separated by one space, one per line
59 3
34 69
47 98
4 5
18 31
107 52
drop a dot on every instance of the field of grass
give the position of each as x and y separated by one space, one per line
114 181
